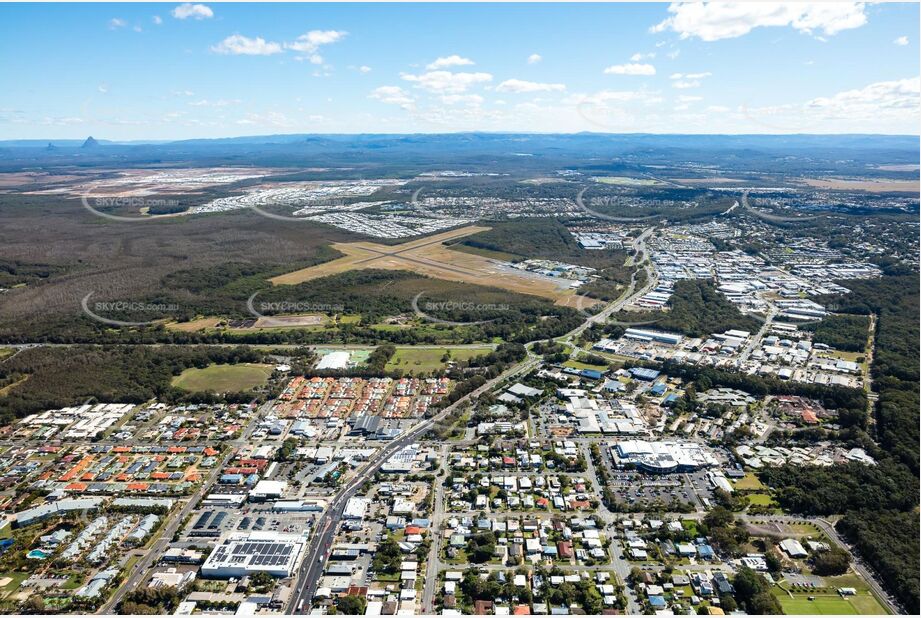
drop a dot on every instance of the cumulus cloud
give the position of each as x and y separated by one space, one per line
449 61
639 56
239 45
901 41
630 69
157 20
878 97
193 11
534 58
394 95
520 85
462 99
310 42
364 69
116 22
446 82
712 21
683 81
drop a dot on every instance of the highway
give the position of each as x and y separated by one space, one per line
326 526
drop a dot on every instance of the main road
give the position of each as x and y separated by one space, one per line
326 526
139 571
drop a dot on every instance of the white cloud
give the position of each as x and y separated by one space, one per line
240 45
193 11
520 85
216 103
712 21
103 88
534 58
901 41
880 107
268 119
446 82
310 42
157 20
690 75
605 97
449 61
630 69
878 97
364 69
684 81
116 23
639 57
464 99
689 99
393 95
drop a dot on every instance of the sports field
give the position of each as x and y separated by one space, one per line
223 378
830 603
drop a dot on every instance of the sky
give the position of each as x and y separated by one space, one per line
177 71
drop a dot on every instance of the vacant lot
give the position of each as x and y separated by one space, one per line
860 184
223 378
424 360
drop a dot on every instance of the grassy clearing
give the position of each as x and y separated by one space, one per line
750 481
822 605
424 360
223 378
6 352
579 365
487 253
761 499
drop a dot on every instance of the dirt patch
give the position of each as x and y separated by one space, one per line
867 184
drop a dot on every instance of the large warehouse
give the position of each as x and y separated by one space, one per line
239 555
662 457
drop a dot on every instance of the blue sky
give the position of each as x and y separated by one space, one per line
169 71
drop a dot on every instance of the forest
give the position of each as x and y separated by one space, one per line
880 503
697 309
50 378
842 332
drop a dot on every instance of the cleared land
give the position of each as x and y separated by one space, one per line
430 257
424 360
869 185
223 378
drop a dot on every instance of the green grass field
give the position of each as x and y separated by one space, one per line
749 481
761 499
823 605
424 360
579 365
223 378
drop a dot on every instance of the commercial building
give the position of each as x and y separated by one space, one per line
239 555
662 457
